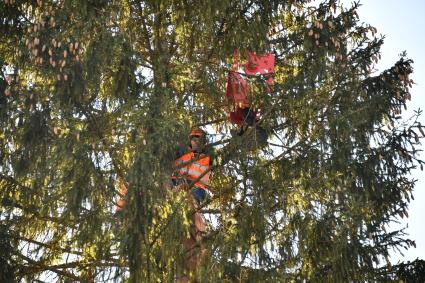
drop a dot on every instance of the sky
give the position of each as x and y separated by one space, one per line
403 25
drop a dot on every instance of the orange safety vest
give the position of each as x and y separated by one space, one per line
195 169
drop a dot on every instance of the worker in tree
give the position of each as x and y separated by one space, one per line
193 171
193 165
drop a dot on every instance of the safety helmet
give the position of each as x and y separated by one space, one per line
197 132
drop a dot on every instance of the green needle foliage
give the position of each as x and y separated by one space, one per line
96 93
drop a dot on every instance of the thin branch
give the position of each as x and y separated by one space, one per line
43 267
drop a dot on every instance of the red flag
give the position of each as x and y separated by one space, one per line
237 90
260 65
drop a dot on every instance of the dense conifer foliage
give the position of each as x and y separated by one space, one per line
94 93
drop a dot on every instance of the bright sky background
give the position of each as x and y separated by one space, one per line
403 24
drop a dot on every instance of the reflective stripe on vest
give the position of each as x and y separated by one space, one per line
193 170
